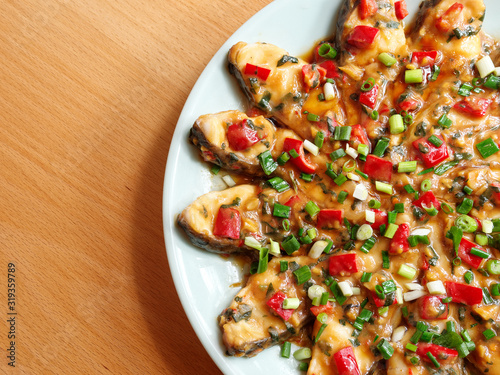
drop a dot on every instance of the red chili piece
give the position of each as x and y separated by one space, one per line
300 161
463 293
400 8
369 98
379 302
276 303
291 202
362 36
425 57
427 199
312 75
346 362
399 243
316 310
260 72
465 254
447 20
228 223
367 8
377 168
380 219
430 154
432 307
474 106
425 263
409 104
241 136
330 218
358 135
342 263
330 69
442 354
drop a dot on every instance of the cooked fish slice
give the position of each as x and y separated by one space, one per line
281 90
249 325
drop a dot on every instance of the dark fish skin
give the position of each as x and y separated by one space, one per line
423 12
347 7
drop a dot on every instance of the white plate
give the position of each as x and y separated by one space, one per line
203 280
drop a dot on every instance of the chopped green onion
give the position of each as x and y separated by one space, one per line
342 196
306 177
286 349
381 146
337 154
468 190
409 189
456 235
396 124
385 349
320 331
426 171
386 261
414 76
436 141
312 117
368 245
426 185
283 265
408 119
492 82
312 233
364 232
447 209
433 360
374 115
340 179
302 353
267 162
293 153
290 244
291 303
399 208
349 166
286 225
481 239
469 277
411 347
368 84
342 133
215 169
466 223
444 121
480 253
407 271
374 203
280 210
489 334
495 290
366 277
435 74
465 89
337 293
312 208
263 260
302 274
485 66
319 139
383 187
407 166
391 230
493 267
252 242
327 51
363 149
303 366
387 59
329 171
279 184
487 148
465 206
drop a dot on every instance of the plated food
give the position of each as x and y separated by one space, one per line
366 188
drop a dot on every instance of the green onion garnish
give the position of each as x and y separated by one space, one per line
286 349
263 260
444 121
386 262
468 190
409 189
290 244
414 76
293 153
465 206
279 184
480 253
302 353
436 141
366 277
291 303
411 347
327 51
267 162
280 210
340 179
312 117
306 177
433 360
387 59
493 267
368 245
283 158
407 166
489 334
215 169
319 139
391 230
435 74
426 185
465 89
466 223
342 196
396 124
303 274
320 331
407 272
487 148
368 84
385 349
468 277
383 187
342 133
337 154
312 208
373 203
381 146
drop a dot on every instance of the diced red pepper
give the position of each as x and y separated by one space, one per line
330 218
380 219
473 105
276 303
379 302
330 68
260 72
400 8
255 112
495 192
327 125
228 223
362 36
358 135
291 202
346 362
399 243
328 309
432 307
442 354
313 75
424 57
463 293
447 20
464 253
369 98
409 104
425 263
367 8
300 161
430 154
241 136
345 263
427 199
377 168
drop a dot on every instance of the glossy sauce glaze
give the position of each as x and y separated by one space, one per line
384 235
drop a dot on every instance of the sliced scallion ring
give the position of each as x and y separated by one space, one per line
368 84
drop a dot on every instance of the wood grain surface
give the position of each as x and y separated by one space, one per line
90 94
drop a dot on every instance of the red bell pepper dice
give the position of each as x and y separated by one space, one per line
300 161
346 362
260 72
427 199
362 36
330 69
276 303
379 302
241 136
464 253
425 263
228 223
442 354
380 219
409 104
330 218
292 201
377 168
424 57
430 154
313 75
400 8
358 135
342 263
316 310
432 307
447 20
463 293
369 98
399 243
474 106
367 8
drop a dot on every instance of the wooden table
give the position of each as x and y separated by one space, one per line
90 94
